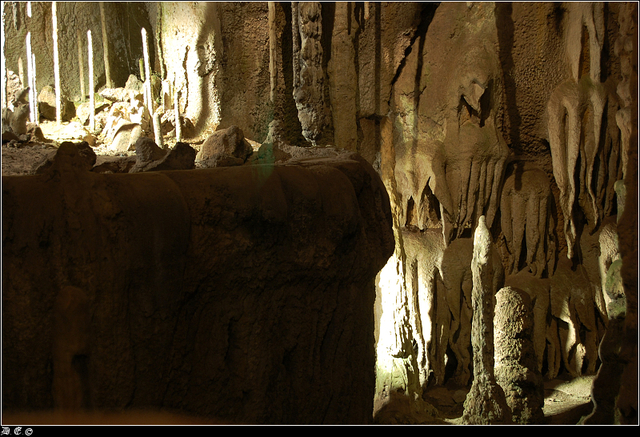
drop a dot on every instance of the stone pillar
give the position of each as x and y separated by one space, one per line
309 93
485 403
515 357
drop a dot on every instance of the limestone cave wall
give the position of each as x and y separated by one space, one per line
522 115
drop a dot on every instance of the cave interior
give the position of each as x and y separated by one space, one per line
319 212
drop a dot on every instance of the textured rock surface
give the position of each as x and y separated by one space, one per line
226 142
254 284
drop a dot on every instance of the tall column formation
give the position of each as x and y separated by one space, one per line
33 87
343 79
515 358
485 403
56 60
147 71
32 94
313 111
92 101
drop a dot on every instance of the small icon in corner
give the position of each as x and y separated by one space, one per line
6 430
17 430
28 432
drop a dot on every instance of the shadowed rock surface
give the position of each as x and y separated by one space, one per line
242 294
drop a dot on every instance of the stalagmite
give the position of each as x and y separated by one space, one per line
56 61
21 72
33 86
105 46
157 129
147 87
147 72
176 110
486 402
92 101
515 359
83 92
32 94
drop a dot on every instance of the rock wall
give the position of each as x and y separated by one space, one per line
243 294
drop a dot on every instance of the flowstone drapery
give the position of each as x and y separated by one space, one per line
525 219
583 133
450 156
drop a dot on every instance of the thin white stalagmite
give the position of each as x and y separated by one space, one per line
105 46
21 72
32 101
92 102
157 129
176 108
147 73
83 92
33 85
56 60
147 70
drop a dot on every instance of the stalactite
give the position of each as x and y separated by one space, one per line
577 126
524 206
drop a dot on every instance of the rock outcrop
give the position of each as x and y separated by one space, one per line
244 294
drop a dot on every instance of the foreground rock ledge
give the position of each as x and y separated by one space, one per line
244 294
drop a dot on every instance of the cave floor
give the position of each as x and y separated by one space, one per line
21 158
566 401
